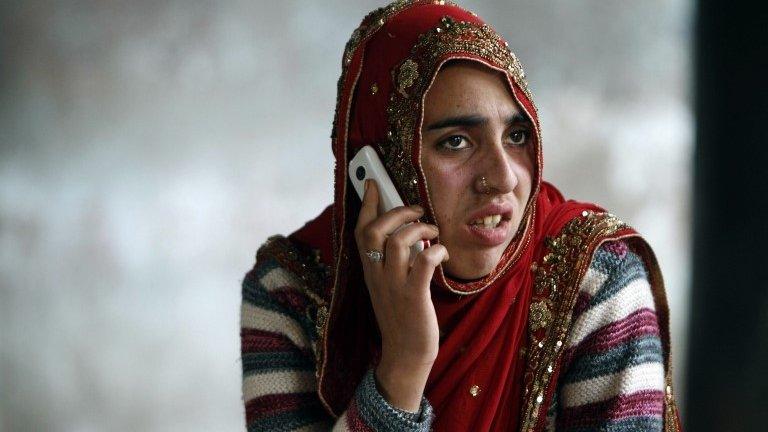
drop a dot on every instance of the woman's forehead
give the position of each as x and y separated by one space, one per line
469 88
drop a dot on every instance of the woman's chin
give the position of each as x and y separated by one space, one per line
472 266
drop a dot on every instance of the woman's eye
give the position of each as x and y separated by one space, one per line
455 142
518 137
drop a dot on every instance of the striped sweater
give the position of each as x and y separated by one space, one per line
612 375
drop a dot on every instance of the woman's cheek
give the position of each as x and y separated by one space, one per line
446 198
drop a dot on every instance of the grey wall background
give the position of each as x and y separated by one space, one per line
148 148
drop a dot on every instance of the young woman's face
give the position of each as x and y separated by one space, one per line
473 128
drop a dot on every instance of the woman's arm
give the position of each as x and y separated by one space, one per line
279 384
613 369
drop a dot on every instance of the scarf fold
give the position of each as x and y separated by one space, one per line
476 381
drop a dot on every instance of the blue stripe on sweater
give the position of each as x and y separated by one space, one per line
605 261
646 349
255 293
253 290
271 361
620 273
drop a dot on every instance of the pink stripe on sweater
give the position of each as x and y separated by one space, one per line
290 297
274 404
253 340
618 248
644 403
640 323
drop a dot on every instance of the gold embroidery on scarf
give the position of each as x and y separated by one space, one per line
555 287
539 315
371 23
306 265
670 406
409 72
413 78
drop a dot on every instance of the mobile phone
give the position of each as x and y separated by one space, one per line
367 165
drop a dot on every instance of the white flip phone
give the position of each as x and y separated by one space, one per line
367 165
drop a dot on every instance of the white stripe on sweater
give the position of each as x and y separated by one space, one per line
592 281
278 277
254 317
341 424
633 296
646 376
283 382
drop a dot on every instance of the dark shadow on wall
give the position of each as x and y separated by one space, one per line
727 380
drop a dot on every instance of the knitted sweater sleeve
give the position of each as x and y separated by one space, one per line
278 338
613 371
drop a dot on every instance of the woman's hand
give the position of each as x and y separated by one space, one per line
400 296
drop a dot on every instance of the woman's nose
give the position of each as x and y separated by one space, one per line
499 169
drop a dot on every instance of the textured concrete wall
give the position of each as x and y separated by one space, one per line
148 148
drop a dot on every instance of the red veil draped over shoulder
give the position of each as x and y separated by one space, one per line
500 335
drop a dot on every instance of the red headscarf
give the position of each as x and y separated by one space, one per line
388 65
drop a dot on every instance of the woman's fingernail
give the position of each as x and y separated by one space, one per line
365 187
417 208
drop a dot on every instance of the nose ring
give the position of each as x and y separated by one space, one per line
483 185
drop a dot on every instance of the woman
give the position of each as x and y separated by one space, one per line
527 312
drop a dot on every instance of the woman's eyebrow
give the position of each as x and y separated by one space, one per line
465 120
473 120
517 118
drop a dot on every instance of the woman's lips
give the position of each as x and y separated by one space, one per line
490 236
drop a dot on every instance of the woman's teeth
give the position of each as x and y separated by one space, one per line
490 221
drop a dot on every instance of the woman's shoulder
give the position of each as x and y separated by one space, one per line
615 271
608 253
617 256
614 292
287 278
580 231
282 263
